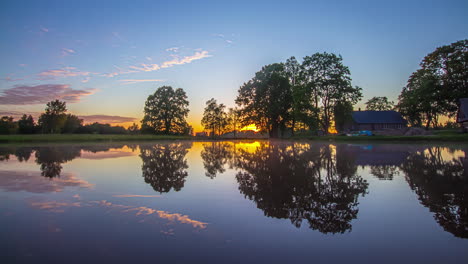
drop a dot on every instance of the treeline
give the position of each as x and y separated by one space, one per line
314 95
56 120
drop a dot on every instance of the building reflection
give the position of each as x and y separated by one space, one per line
165 166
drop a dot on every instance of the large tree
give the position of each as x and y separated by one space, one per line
379 103
328 82
434 89
166 111
266 100
421 100
449 64
54 118
215 117
302 111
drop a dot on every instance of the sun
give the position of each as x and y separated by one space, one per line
250 127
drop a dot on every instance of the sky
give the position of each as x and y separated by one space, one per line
105 57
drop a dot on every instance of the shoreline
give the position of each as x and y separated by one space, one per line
64 138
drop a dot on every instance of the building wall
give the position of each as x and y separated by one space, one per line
356 126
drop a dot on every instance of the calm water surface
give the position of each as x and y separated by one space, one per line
234 202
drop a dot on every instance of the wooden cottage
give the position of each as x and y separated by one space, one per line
375 120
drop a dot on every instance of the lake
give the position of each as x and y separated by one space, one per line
234 202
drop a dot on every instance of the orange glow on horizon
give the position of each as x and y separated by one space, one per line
250 127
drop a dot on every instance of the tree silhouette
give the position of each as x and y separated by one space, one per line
442 186
164 165
166 111
302 182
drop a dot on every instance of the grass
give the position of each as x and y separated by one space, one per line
439 136
84 138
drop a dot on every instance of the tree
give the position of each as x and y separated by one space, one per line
328 82
379 104
434 89
343 113
266 100
166 111
449 65
302 110
214 117
233 119
133 129
26 125
54 118
72 124
420 100
7 125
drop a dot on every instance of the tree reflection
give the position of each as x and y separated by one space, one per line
164 165
51 159
442 186
384 172
302 182
215 155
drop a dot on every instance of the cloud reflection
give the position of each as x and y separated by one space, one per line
31 181
139 211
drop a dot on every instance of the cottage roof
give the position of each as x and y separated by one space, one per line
462 115
378 117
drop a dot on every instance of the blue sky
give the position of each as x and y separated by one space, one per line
105 57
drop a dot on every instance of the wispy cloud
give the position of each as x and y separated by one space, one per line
10 79
66 52
60 73
41 94
44 29
18 114
132 81
173 49
175 61
106 119
224 38
85 80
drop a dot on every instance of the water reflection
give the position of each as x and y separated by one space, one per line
441 185
215 155
314 184
164 165
301 182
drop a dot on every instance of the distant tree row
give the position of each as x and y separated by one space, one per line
434 90
55 120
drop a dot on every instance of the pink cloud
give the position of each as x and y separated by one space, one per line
41 94
132 81
59 73
106 119
33 182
